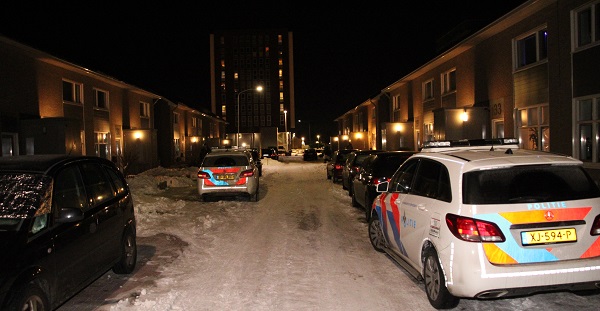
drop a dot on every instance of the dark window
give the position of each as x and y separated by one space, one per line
402 180
386 166
97 183
528 184
532 48
69 190
432 181
117 181
101 99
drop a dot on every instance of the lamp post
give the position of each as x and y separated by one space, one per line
286 134
258 89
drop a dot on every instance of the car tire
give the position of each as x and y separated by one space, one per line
126 263
376 235
29 297
368 205
254 197
435 283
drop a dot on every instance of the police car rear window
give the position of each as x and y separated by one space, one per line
226 160
528 184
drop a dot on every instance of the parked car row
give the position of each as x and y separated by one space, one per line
360 171
336 165
483 219
375 169
352 166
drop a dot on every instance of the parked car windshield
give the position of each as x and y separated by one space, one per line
528 184
20 197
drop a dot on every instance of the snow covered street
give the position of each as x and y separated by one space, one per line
302 246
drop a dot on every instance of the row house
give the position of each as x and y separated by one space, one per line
51 106
529 75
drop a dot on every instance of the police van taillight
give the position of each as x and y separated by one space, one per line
203 175
474 230
247 173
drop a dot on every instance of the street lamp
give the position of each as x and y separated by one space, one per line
258 89
286 134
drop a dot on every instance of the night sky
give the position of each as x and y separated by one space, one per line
343 54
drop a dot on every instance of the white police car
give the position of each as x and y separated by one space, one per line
485 219
228 173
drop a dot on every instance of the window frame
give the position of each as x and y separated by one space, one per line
448 81
144 109
593 27
427 90
522 57
101 99
76 92
592 124
537 118
102 146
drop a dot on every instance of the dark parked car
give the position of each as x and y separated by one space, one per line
376 168
335 166
64 221
310 154
256 158
352 165
269 153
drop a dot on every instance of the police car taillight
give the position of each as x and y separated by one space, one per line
247 173
203 175
379 180
596 226
474 230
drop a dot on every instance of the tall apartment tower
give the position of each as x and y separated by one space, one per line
242 60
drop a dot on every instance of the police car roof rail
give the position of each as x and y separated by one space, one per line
493 142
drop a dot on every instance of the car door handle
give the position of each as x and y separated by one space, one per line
421 207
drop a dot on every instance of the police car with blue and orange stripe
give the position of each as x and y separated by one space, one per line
485 219
228 172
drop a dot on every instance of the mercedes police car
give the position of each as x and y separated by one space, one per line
228 173
485 219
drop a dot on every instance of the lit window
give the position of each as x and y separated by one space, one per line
144 110
534 129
